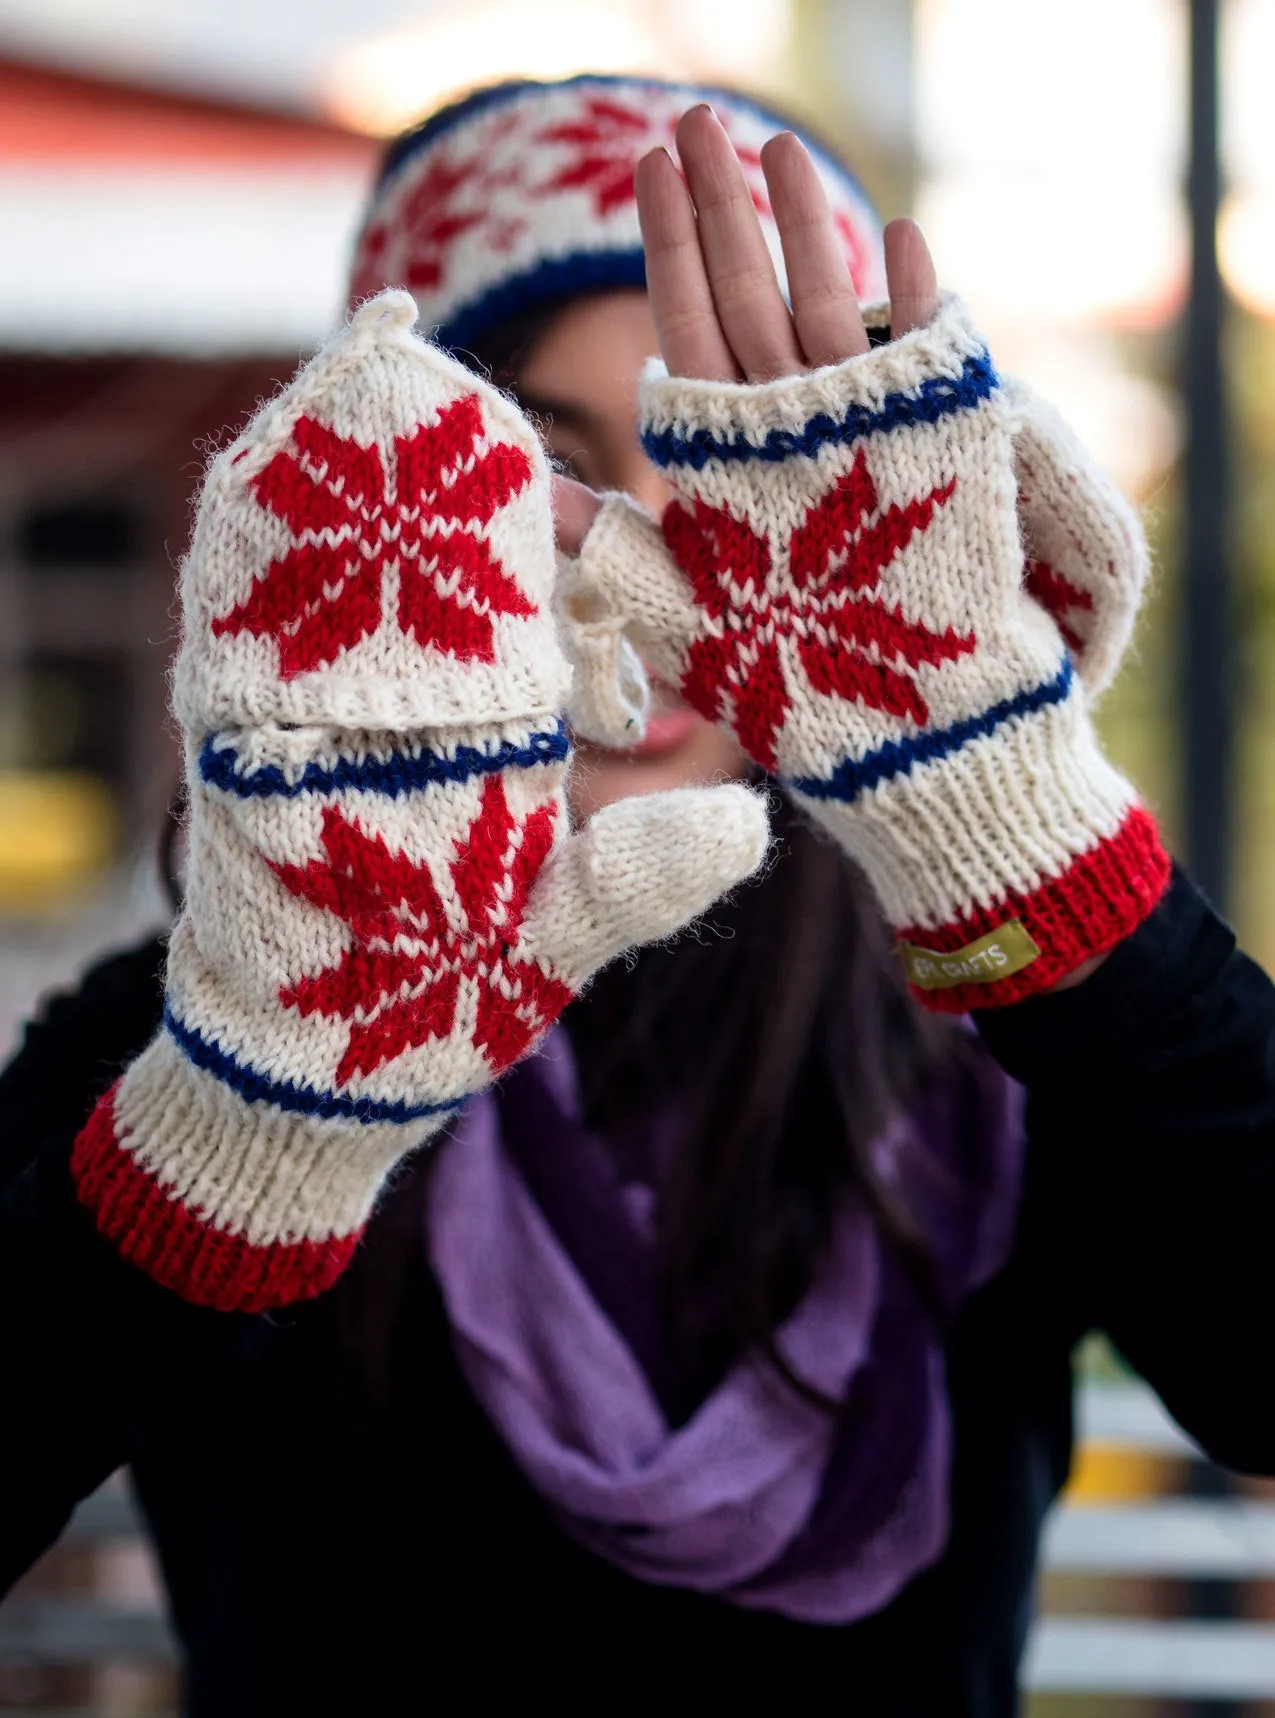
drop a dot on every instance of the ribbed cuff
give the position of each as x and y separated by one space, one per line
228 1203
1095 904
1005 863
159 1235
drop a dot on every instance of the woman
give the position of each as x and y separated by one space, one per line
726 1345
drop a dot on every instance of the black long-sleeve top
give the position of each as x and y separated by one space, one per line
333 1543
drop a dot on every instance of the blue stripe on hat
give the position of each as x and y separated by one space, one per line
284 1094
855 776
550 278
399 773
927 404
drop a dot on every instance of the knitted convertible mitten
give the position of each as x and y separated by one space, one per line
842 579
385 907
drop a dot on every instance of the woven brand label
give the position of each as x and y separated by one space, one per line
1006 950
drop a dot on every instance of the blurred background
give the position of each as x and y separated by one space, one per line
180 182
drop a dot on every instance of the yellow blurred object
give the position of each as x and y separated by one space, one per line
58 830
1111 1473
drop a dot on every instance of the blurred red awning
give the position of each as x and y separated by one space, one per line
48 115
144 220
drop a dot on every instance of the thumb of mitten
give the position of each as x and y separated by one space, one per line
1086 553
639 870
622 596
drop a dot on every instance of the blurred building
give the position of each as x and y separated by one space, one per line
163 261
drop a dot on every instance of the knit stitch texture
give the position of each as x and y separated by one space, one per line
385 907
523 194
842 579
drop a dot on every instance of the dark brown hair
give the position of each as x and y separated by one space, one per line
780 1035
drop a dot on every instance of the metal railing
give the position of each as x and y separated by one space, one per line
1167 1539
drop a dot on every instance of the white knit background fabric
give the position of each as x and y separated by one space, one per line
374 382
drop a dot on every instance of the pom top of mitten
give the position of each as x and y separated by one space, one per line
374 550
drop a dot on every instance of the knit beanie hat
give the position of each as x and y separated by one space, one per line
523 193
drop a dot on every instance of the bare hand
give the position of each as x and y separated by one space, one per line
716 301
714 295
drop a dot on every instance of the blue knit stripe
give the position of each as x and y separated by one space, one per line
284 1094
550 278
856 775
934 399
400 773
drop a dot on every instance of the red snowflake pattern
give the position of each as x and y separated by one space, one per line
399 982
606 146
1059 598
443 204
850 645
352 520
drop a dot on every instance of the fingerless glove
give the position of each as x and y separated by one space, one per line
891 578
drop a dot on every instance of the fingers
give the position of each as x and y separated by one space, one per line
745 291
825 309
575 507
641 869
718 308
690 335
909 270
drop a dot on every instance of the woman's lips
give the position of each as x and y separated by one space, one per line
666 730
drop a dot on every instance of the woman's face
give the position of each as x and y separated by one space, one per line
581 380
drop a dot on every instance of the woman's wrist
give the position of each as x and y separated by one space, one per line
1005 868
229 1202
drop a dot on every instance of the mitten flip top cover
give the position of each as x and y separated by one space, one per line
375 550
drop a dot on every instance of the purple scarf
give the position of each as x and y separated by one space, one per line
546 1266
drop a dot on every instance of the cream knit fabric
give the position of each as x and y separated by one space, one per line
1086 555
351 553
842 579
385 905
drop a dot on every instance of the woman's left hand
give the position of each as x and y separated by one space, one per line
842 579
714 295
717 305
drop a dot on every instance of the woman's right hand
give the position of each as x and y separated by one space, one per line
386 905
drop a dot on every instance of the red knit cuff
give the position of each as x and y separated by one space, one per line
159 1235
1096 903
